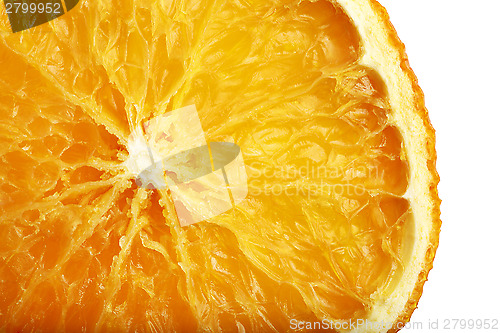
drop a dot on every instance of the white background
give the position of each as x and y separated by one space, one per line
454 49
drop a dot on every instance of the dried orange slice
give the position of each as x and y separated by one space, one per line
341 221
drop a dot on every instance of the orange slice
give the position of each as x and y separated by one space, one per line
341 220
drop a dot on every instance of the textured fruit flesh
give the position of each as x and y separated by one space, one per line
325 223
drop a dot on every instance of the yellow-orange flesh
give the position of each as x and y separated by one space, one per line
325 223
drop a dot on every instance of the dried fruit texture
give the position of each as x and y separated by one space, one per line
341 220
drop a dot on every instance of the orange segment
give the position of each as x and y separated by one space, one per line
342 216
